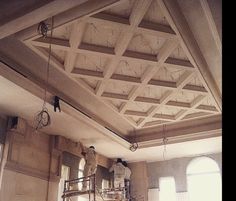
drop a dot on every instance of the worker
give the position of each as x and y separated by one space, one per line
127 179
90 164
119 173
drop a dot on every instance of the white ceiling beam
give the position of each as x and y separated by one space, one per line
180 128
81 11
195 103
139 9
76 36
154 123
85 73
103 51
183 80
196 115
95 75
177 21
153 101
163 117
38 14
207 107
82 83
163 54
144 26
212 25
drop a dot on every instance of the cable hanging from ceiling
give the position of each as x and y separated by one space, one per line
42 118
134 146
165 140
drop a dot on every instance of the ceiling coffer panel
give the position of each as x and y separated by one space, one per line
145 43
101 35
154 14
123 9
91 62
130 68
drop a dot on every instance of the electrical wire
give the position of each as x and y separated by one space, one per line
134 146
42 118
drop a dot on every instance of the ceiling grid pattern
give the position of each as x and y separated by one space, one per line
130 58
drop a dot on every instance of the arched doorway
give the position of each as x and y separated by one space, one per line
204 180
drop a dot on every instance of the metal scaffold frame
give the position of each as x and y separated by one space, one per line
71 187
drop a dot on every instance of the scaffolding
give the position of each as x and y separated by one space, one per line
113 194
73 188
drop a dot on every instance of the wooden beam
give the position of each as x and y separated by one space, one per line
114 96
84 73
154 123
178 104
183 80
62 44
90 74
147 100
37 15
195 103
107 17
191 87
81 11
44 54
80 82
206 127
207 107
126 79
163 54
144 27
76 35
135 113
156 29
154 101
164 116
162 83
212 25
177 21
138 11
178 62
196 115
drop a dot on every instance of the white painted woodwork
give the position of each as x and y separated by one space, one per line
135 58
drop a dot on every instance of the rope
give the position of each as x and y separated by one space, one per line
42 118
134 146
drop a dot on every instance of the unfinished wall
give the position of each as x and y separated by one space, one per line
3 126
176 168
103 173
145 176
31 167
28 165
139 181
73 161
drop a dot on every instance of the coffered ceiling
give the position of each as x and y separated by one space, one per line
131 66
131 57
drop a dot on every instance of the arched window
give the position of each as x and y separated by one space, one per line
81 171
167 189
204 180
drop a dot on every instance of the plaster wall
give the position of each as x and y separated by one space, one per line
176 168
28 165
139 180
